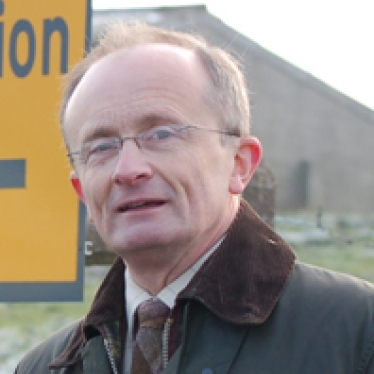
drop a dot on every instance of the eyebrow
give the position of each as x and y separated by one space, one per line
100 131
146 121
156 118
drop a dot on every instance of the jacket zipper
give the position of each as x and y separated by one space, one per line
165 342
110 356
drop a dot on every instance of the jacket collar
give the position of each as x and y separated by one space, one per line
241 282
246 275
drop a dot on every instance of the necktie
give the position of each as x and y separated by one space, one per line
147 353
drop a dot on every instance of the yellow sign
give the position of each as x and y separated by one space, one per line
39 212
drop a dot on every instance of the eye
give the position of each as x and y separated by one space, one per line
103 147
162 133
100 148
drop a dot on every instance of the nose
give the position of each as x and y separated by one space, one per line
131 166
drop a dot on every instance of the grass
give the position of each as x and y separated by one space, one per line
354 260
24 315
341 243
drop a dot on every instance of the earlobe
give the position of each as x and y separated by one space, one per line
247 159
76 183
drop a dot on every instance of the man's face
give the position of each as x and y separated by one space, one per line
172 200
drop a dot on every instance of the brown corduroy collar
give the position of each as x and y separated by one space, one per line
245 276
241 282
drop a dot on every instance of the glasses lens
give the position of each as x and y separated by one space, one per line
100 149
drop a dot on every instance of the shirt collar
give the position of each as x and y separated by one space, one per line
135 294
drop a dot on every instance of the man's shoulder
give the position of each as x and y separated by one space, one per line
326 280
321 289
38 358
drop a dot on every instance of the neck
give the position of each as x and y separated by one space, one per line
153 269
161 267
154 289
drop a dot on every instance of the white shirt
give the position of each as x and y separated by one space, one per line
135 295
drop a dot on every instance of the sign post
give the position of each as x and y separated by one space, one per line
41 220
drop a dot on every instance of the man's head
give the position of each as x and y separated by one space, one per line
156 163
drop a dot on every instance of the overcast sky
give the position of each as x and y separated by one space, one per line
331 39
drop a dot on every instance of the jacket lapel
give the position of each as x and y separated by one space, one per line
209 344
94 358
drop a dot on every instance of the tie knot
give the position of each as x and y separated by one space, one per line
152 313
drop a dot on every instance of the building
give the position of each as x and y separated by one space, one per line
317 141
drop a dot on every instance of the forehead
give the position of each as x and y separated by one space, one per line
139 82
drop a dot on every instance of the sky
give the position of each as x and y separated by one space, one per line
331 39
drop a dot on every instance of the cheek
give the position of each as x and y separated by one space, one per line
198 177
95 189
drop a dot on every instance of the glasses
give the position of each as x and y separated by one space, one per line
155 139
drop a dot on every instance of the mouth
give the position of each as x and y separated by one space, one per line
140 205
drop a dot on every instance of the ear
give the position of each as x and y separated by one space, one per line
247 159
76 183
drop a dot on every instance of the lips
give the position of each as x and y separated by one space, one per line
139 205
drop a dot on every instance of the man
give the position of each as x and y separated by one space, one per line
156 126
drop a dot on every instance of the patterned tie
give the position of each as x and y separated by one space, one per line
147 353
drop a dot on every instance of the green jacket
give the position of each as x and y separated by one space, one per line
249 309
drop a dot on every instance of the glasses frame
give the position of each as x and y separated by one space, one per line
72 155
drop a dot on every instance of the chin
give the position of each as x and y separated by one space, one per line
144 243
